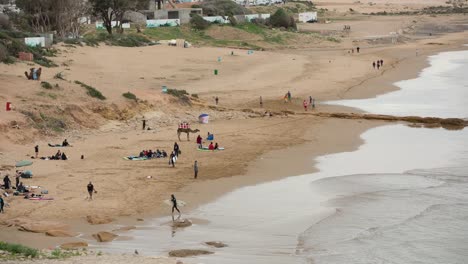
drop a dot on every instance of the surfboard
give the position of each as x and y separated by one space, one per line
23 163
180 203
206 149
134 158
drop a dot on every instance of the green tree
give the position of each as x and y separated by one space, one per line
282 19
62 16
112 10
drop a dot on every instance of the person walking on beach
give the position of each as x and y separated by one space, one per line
373 64
378 65
172 159
310 100
91 190
381 63
289 96
176 149
305 105
6 182
313 103
216 100
174 206
358 49
17 179
144 123
36 150
199 142
261 102
195 169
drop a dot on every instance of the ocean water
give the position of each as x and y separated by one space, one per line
402 197
440 90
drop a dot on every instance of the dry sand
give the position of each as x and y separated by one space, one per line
260 148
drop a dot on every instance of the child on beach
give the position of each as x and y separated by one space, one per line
305 105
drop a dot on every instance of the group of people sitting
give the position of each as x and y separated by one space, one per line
209 137
153 154
213 147
58 156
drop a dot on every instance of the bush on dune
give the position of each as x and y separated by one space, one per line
19 249
281 19
199 23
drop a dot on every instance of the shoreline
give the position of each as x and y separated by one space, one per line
257 167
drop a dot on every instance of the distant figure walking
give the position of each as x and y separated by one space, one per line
172 159
261 102
91 190
378 65
36 150
305 105
381 63
17 178
144 123
6 182
358 49
195 169
313 103
176 149
199 142
289 96
174 206
310 100
373 64
216 100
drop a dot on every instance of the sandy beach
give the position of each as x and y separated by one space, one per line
258 148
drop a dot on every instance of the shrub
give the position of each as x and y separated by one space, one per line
59 75
3 53
91 91
43 61
258 21
4 22
131 40
282 19
198 22
130 96
223 8
19 249
73 41
46 85
232 20
181 94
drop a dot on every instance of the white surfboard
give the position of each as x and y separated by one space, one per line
180 203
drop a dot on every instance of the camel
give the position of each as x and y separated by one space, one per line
186 130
